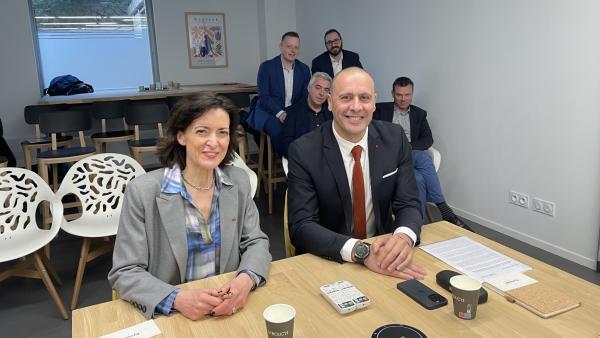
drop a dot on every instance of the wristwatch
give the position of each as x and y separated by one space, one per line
361 252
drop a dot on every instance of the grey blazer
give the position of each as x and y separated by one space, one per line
150 255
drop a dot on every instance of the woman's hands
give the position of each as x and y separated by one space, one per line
196 304
237 290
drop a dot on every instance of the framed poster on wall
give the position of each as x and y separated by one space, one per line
206 39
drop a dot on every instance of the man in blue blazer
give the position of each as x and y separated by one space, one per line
335 58
346 180
416 129
307 115
281 82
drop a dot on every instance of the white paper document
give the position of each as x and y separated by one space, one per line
510 281
146 329
473 258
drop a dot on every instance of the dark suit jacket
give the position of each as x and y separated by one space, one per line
299 121
322 63
319 200
420 134
271 90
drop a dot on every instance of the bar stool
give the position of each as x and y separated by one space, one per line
56 122
147 112
32 116
110 110
272 175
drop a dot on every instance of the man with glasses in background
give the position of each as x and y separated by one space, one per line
307 115
335 58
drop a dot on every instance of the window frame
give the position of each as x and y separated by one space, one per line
151 39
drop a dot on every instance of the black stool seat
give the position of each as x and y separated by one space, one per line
148 142
66 152
44 140
115 133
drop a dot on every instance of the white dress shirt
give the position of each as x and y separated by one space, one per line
288 79
346 152
336 65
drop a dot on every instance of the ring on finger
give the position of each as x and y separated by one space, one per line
234 310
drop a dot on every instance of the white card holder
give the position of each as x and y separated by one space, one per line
344 297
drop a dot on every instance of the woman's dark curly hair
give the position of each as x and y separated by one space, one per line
188 109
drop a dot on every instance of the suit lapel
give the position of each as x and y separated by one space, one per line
172 215
280 79
296 89
228 206
335 162
414 123
376 157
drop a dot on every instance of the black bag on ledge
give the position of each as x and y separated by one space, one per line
67 85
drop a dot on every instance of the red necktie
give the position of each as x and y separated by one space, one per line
358 197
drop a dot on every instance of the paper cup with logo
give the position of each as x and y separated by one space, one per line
465 296
280 320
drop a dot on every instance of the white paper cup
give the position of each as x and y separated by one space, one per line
465 296
279 319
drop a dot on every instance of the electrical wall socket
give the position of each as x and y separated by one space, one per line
545 207
519 199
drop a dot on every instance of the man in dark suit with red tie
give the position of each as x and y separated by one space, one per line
335 58
347 178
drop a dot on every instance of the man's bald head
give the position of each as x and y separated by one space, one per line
352 102
351 72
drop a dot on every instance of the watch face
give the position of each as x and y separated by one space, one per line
362 251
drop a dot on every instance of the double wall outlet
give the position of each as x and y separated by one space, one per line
545 207
519 199
538 204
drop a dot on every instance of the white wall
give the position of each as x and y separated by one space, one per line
279 17
19 85
512 93
241 34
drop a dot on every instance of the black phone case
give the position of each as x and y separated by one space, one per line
420 293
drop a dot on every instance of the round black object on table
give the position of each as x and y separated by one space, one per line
397 330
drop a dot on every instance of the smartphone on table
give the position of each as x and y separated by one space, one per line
422 294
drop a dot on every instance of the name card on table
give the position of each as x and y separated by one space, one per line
146 329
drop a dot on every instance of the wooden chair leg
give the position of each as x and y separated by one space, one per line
428 212
43 172
37 260
270 175
27 157
83 258
261 157
51 269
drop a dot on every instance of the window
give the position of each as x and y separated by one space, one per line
103 43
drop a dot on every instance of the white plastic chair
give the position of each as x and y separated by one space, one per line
436 158
239 162
21 192
99 183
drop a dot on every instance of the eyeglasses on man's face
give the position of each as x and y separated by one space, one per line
332 42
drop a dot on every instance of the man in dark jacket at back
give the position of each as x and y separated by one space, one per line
335 58
307 115
414 122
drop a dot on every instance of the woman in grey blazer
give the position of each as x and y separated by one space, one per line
192 219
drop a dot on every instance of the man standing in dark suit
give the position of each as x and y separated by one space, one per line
335 58
347 178
281 82
309 114
414 122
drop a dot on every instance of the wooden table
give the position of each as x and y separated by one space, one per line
134 94
296 281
